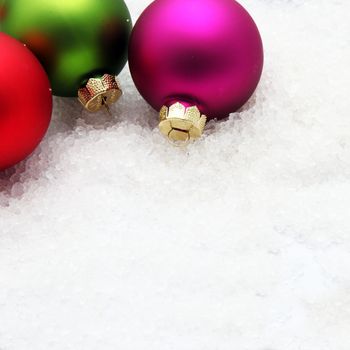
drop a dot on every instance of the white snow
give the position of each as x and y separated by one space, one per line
110 238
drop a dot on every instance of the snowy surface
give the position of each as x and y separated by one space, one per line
110 238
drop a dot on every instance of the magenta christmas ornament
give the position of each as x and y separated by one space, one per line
194 60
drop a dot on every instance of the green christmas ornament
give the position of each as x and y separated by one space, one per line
82 44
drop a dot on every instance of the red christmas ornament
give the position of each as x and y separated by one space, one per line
25 102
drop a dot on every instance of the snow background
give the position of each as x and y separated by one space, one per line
110 238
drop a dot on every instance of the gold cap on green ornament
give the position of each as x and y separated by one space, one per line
100 92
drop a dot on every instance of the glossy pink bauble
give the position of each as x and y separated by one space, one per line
206 53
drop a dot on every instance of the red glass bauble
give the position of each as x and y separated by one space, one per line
25 102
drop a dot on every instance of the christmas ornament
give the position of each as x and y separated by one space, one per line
193 60
82 44
25 102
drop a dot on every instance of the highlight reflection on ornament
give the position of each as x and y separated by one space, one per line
75 40
196 55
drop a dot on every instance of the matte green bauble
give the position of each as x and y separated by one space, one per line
74 39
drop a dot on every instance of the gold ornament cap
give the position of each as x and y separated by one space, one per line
100 92
180 123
